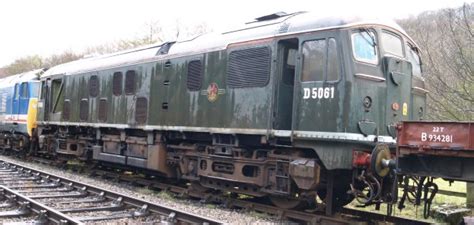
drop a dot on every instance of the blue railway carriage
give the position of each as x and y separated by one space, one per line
18 100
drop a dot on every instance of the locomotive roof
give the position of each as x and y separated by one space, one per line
22 77
264 27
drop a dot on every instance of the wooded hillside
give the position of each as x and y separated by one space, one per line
446 39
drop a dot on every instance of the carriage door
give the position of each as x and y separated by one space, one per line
287 53
317 98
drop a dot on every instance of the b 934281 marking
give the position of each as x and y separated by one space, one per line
444 138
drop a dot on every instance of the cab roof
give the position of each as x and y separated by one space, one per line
19 78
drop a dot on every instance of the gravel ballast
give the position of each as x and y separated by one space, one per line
228 216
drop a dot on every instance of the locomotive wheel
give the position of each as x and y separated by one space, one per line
340 197
292 203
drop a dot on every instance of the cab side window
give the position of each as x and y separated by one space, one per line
414 58
24 90
392 44
16 95
57 95
320 60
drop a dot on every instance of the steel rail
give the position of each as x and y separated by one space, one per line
341 218
52 215
178 215
346 216
384 218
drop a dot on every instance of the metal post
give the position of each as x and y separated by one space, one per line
329 194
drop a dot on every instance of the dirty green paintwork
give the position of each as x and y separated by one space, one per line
276 106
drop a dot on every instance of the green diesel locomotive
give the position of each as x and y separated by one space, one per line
289 106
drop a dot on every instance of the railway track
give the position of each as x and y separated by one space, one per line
346 216
32 196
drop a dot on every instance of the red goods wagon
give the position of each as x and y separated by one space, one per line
440 149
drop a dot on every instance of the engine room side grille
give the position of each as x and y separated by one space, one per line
117 83
130 82
94 86
84 110
66 110
194 75
249 68
141 110
103 110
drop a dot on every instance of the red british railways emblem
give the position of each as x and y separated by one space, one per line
212 92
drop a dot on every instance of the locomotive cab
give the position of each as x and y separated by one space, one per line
18 105
355 84
352 86
386 81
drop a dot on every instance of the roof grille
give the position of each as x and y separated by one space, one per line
165 48
271 16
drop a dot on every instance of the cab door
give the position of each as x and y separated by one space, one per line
318 86
24 101
399 78
287 52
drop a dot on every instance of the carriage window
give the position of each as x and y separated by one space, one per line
414 59
364 46
320 60
249 68
117 83
392 44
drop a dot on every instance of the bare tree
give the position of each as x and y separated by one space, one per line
447 39
64 57
24 64
29 63
153 33
3 72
